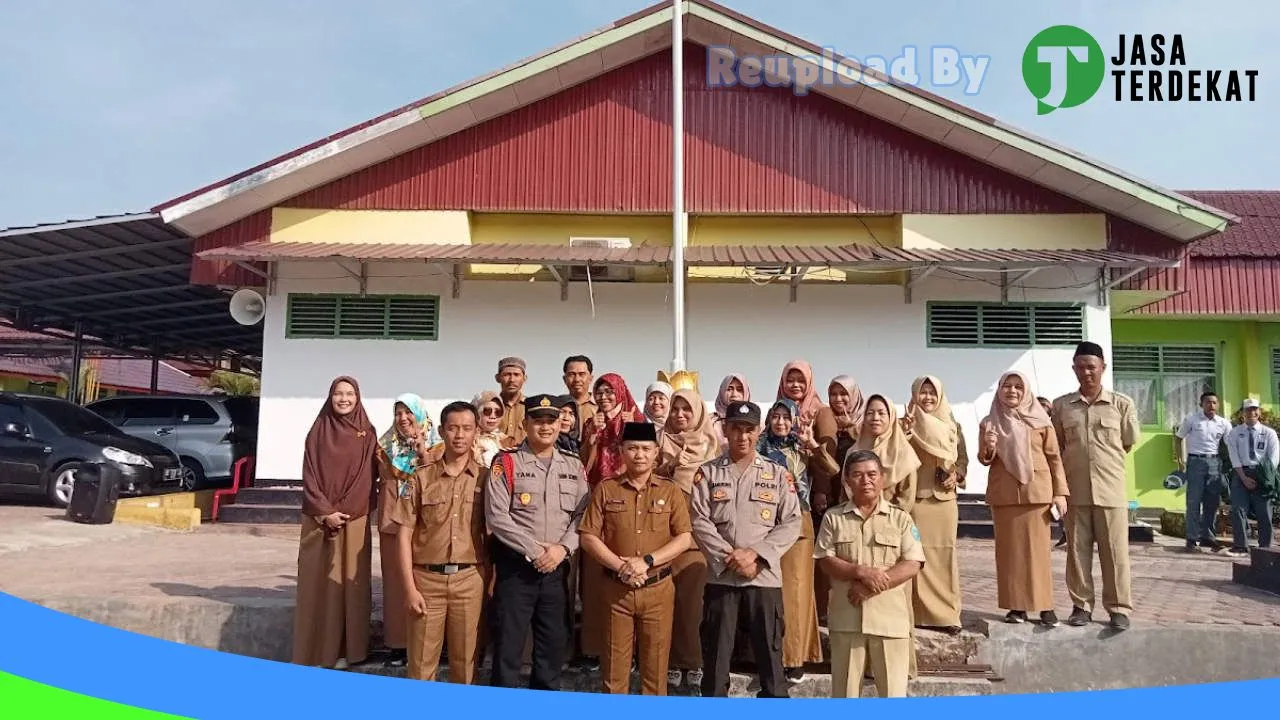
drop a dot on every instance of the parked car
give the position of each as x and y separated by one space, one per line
45 440
208 433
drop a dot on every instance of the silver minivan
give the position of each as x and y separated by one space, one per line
207 432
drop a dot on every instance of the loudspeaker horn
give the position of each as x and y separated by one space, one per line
247 307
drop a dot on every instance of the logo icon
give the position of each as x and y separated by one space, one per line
1063 67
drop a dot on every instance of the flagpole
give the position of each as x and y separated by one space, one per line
677 184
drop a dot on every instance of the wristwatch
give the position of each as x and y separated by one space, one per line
648 560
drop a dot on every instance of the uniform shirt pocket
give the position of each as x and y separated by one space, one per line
525 498
1107 430
885 548
764 505
658 515
435 505
568 495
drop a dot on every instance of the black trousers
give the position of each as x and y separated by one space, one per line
724 610
524 597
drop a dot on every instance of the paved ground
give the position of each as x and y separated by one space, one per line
42 556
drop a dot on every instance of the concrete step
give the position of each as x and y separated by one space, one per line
974 511
1262 572
1138 532
264 483
260 514
1265 560
971 497
291 497
741 685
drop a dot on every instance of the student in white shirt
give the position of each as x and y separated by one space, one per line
1196 447
1250 445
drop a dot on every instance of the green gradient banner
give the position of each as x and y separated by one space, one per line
22 699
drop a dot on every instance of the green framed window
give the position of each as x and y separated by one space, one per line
1000 325
363 317
1275 374
1165 381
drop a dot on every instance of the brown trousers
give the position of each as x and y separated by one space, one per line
591 579
335 595
638 625
689 573
394 614
455 604
801 642
851 653
1109 528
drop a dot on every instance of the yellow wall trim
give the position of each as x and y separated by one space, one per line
1004 232
407 227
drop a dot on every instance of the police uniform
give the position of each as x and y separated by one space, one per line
531 502
736 506
636 522
446 515
879 631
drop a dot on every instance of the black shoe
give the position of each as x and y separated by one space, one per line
397 658
1061 541
1119 622
1192 548
953 630
795 675
1079 617
1015 617
1212 545
589 664
1049 618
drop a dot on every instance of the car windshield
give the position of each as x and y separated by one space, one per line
69 418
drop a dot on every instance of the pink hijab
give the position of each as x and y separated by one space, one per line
810 404
1013 428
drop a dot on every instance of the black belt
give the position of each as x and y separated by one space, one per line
1202 457
450 569
663 574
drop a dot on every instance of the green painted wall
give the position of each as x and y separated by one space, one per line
1244 369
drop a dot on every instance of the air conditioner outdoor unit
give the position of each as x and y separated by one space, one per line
602 273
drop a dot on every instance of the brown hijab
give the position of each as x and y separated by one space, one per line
1013 428
896 454
338 464
935 432
699 444
857 404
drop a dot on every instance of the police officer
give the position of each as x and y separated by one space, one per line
746 515
634 526
535 497
870 549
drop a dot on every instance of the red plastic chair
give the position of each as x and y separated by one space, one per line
241 476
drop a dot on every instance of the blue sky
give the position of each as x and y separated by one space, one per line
118 106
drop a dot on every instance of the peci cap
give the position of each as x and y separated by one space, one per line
639 432
1089 349
542 406
1249 404
507 362
742 412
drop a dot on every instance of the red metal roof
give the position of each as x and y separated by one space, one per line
1257 235
1224 286
704 255
118 373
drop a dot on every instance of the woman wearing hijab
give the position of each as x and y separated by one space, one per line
657 403
796 385
836 430
938 442
401 450
334 597
568 442
733 388
884 435
790 445
602 458
1024 486
689 440
489 436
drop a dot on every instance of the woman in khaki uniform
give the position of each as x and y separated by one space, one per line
836 429
1025 483
334 596
688 440
399 452
938 442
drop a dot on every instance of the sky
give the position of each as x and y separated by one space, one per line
118 106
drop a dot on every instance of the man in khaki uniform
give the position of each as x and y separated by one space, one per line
577 380
533 502
441 519
746 515
634 526
870 549
511 378
1096 429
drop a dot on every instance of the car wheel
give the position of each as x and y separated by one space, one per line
61 483
192 474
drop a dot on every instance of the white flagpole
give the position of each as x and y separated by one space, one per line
677 183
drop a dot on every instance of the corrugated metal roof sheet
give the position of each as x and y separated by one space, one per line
1224 286
704 255
120 373
1257 235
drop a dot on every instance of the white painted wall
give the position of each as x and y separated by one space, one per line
868 332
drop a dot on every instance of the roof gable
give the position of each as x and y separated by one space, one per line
706 23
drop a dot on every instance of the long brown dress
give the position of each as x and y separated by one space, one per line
834 440
939 443
395 615
1026 473
334 596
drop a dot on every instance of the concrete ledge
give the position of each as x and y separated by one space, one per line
740 684
1065 659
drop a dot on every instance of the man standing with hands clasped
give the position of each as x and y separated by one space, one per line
1254 449
746 515
871 550
1096 429
634 526
535 497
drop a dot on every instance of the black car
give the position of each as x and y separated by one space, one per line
44 440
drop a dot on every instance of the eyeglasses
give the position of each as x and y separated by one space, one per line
491 412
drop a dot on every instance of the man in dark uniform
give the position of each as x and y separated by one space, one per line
535 498
746 515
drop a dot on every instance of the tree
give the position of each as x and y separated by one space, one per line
235 384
